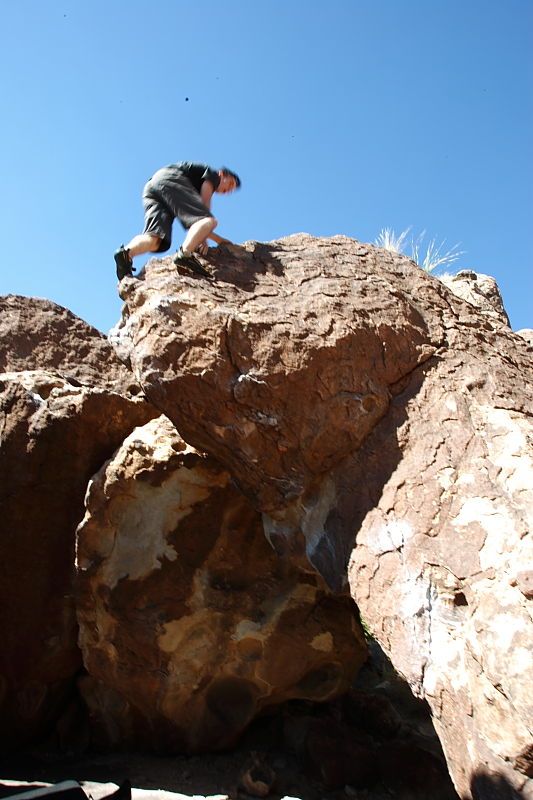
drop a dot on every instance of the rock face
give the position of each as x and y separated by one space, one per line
189 622
527 335
479 290
38 334
365 409
442 565
370 423
54 435
281 368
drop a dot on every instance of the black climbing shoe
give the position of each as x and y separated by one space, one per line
124 263
190 262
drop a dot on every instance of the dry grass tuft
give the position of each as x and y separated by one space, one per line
428 257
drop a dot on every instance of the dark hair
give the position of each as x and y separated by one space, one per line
232 174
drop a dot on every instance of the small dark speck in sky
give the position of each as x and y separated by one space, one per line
186 99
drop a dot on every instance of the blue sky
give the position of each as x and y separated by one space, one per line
340 117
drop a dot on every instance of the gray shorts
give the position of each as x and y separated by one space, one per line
167 196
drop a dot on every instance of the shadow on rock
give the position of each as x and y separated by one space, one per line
491 786
241 264
359 482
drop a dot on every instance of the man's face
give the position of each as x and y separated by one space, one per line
227 184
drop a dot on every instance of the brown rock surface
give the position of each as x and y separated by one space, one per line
527 335
54 434
439 570
442 502
349 393
39 334
479 290
189 622
282 367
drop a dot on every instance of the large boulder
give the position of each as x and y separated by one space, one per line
281 367
190 625
55 433
39 334
357 401
442 569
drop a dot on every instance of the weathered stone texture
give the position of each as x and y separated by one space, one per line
356 400
39 334
189 622
356 412
527 335
439 570
479 290
282 367
54 434
49 449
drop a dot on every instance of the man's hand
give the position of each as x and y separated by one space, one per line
202 248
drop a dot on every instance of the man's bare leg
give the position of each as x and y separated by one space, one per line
143 243
198 233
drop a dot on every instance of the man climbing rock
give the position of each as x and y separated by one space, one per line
181 191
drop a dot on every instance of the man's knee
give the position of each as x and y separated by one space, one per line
204 224
154 243
208 223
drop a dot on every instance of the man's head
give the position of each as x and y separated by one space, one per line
229 181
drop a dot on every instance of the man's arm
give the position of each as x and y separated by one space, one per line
206 193
218 239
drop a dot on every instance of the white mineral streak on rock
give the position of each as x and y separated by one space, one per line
481 291
487 512
462 636
510 446
189 623
446 477
392 535
42 384
315 510
148 513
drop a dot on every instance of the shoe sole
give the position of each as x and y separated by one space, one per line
186 268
